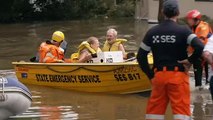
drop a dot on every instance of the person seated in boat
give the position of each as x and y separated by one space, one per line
36 57
87 50
50 51
113 43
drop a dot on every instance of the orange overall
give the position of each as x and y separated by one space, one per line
168 42
173 87
50 53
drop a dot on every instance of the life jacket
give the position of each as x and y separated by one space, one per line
49 53
114 46
203 30
82 46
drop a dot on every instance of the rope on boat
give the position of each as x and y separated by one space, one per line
84 69
103 70
49 68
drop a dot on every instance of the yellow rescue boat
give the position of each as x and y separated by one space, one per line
116 78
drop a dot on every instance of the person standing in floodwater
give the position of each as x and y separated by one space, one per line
168 42
203 32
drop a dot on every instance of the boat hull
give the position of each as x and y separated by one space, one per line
15 98
16 103
119 78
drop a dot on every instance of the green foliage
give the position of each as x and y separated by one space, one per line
54 10
15 10
43 10
126 8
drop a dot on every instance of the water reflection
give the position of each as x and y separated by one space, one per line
202 106
198 110
54 104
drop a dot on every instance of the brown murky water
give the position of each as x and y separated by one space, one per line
20 42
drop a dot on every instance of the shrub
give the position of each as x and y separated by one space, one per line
124 9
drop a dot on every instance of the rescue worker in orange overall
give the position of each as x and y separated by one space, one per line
203 31
50 52
168 42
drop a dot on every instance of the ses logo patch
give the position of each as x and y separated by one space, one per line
24 75
164 39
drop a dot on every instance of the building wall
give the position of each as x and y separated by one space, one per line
141 9
153 9
206 8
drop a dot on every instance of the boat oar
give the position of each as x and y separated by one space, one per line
130 59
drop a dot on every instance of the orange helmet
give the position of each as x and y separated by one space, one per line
193 14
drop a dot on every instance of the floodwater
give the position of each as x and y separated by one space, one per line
20 42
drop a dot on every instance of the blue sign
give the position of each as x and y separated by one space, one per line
24 75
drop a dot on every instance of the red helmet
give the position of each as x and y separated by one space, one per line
193 14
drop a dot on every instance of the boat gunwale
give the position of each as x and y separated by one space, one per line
75 64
